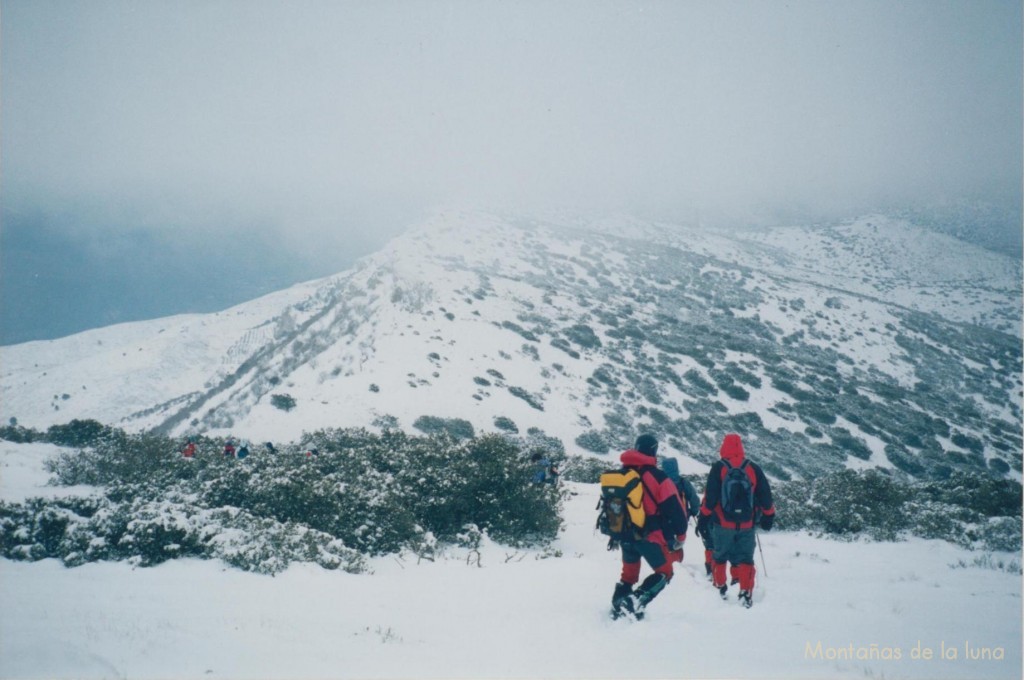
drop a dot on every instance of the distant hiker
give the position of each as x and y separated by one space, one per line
229 447
692 501
737 493
704 531
243 450
311 453
270 447
664 530
689 495
545 471
190 449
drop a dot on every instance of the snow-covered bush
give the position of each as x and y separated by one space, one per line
702 386
533 400
584 469
593 441
77 433
506 424
148 532
285 402
485 481
564 345
16 433
842 438
969 509
363 494
583 335
456 427
1003 534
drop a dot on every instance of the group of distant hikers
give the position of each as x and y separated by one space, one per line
230 449
645 511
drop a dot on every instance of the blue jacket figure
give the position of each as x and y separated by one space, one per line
546 472
686 490
692 502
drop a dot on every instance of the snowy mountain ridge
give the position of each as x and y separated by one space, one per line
870 343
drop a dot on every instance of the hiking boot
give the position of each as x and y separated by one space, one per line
622 599
635 606
724 592
708 570
734 581
746 598
647 591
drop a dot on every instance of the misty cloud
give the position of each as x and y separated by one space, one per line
332 118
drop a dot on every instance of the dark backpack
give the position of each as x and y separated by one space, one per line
621 506
737 493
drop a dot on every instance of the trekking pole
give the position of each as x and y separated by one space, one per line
757 537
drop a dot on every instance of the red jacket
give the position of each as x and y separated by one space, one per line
732 453
666 514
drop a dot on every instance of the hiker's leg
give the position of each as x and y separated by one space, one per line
657 556
745 573
630 564
669 557
649 589
623 594
708 541
743 558
709 551
723 544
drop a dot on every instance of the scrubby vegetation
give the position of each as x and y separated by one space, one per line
593 441
74 433
458 428
285 402
969 509
365 494
368 494
506 424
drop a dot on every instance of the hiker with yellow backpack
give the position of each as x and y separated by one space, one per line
642 513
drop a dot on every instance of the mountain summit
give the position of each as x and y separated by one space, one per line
873 343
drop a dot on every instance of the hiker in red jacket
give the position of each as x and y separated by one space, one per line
664 532
737 495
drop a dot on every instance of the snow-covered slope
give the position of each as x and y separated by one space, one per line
823 609
868 343
904 264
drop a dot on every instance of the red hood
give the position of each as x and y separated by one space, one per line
634 458
732 450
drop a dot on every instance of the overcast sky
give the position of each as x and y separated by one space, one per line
327 118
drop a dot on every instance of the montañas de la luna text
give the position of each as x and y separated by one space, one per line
877 652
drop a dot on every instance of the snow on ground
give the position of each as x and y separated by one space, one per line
899 262
822 609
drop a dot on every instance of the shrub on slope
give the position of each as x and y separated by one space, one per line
363 494
968 509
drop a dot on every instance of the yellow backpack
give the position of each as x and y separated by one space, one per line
621 506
